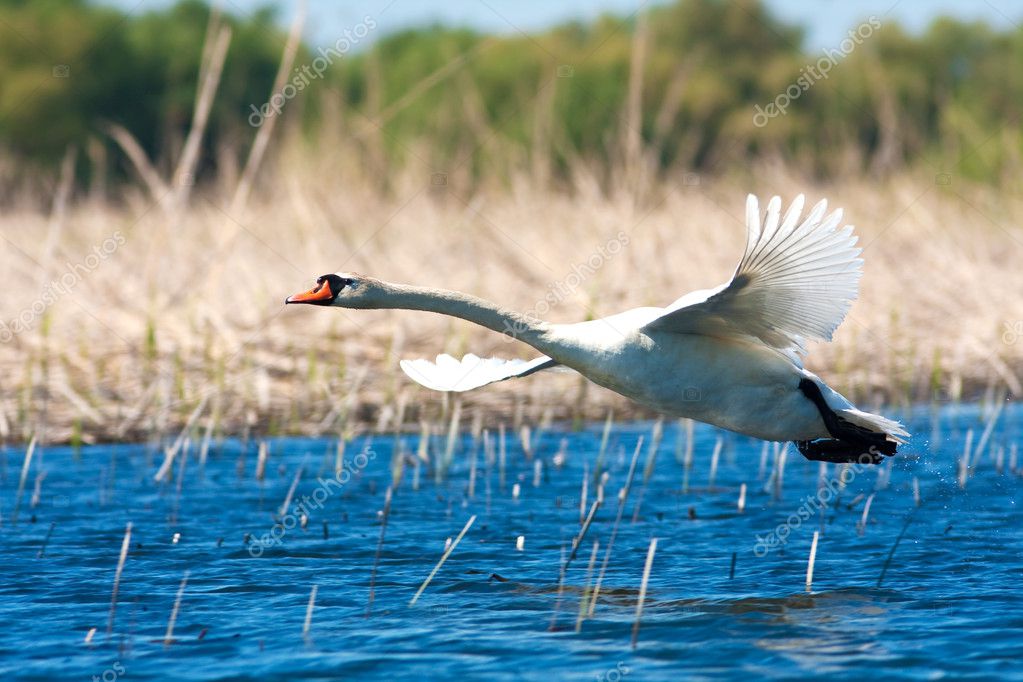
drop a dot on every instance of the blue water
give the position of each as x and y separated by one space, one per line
949 604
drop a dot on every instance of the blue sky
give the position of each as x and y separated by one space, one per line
826 21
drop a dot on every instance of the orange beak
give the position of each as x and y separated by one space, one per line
319 294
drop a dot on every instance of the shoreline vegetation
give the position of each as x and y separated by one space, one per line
570 174
176 315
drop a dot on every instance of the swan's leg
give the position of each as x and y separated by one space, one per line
840 451
849 442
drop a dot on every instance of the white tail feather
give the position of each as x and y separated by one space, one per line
875 422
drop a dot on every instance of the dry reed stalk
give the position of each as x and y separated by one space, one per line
168 638
489 455
742 498
584 599
651 455
23 478
183 178
444 557
117 578
622 499
604 478
577 541
687 455
763 460
380 547
811 560
526 441
262 140
537 472
501 455
309 611
583 493
58 210
862 526
964 459
339 454
171 452
159 191
782 459
441 471
180 483
986 434
642 590
632 141
204 448
472 474
561 593
714 457
291 491
598 465
261 461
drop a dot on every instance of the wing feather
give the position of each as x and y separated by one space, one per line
472 371
796 281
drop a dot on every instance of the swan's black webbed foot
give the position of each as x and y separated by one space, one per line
844 452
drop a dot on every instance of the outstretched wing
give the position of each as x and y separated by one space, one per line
796 281
472 371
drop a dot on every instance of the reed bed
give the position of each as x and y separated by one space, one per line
177 315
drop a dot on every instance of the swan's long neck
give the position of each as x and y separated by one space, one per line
501 320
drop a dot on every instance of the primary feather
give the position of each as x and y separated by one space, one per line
796 281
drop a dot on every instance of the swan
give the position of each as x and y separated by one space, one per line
729 356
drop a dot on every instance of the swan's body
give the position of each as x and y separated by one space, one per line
729 356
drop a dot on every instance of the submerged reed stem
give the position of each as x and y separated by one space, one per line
811 560
642 590
444 557
168 638
117 577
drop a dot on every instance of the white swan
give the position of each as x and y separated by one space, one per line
729 356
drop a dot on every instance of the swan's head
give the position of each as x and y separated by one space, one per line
341 289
